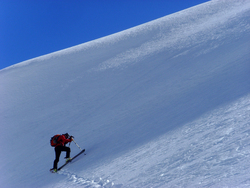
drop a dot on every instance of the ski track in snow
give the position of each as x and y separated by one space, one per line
73 180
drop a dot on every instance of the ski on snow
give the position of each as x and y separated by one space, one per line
51 170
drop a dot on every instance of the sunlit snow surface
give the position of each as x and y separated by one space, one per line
163 104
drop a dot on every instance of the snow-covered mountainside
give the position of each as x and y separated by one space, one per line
163 104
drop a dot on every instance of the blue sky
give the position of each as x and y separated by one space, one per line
31 28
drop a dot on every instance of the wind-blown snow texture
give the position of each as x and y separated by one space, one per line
163 104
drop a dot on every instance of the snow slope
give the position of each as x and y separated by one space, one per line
163 104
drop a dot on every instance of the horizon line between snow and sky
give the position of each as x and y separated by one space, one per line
35 28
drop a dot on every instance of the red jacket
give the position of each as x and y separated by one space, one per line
62 141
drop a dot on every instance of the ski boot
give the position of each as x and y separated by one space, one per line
68 159
53 170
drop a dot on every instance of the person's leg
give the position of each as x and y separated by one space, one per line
67 149
58 151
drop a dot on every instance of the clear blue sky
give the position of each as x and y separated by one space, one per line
31 28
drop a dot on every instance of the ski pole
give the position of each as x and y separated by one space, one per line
77 144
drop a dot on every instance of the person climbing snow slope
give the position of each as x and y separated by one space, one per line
60 142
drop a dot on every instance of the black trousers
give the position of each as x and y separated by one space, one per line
58 151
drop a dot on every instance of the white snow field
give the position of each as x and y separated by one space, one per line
163 104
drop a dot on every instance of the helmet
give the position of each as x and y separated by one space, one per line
66 135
